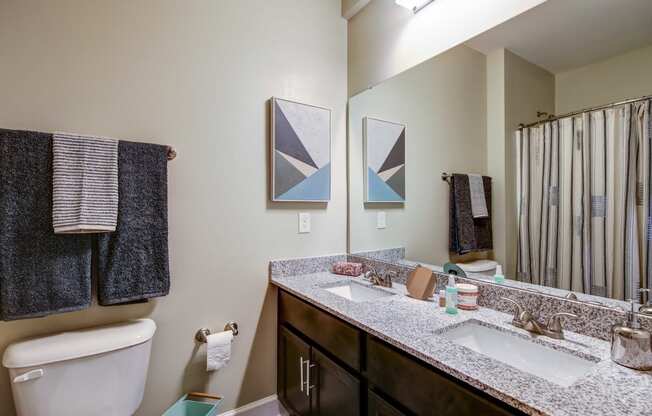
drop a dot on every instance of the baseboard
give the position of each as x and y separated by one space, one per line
267 406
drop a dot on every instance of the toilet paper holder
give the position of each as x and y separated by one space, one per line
201 334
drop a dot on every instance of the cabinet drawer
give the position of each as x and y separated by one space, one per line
422 389
337 337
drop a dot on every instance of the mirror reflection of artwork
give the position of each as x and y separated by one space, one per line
384 161
301 146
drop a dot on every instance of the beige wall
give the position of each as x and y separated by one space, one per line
516 90
528 89
442 102
195 74
497 149
614 79
386 39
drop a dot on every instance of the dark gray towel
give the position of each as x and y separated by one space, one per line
467 233
41 273
132 262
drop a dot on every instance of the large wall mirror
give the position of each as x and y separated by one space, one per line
528 147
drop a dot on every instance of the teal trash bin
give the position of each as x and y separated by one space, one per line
206 405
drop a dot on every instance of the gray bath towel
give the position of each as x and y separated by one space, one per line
133 261
41 273
478 200
467 233
85 172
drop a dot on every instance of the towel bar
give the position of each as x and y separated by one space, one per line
201 334
172 153
446 177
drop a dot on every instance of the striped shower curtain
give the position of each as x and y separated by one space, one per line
583 202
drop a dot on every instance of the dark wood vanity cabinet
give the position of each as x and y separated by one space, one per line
327 367
309 383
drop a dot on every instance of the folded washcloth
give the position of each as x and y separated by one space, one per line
467 233
41 273
478 201
133 261
85 184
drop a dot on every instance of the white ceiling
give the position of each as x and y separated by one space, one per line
560 35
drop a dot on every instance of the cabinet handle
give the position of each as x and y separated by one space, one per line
308 386
301 371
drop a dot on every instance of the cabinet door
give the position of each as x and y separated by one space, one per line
334 392
376 406
293 355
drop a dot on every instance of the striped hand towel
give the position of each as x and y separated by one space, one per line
85 184
478 201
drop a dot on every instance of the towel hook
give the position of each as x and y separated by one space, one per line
202 334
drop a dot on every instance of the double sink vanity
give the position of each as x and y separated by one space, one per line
348 347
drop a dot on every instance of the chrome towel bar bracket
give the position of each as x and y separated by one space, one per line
201 334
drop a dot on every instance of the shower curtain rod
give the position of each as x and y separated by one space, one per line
574 113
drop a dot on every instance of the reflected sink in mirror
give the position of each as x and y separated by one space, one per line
557 366
357 292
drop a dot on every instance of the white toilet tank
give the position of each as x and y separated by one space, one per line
95 371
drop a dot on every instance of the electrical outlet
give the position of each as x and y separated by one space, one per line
304 222
381 220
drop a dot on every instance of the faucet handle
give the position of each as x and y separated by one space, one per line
391 275
554 322
371 271
646 308
518 309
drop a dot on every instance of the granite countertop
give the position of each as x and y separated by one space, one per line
416 327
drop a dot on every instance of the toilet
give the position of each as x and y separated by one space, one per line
479 267
95 371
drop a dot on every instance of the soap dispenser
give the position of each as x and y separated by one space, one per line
631 346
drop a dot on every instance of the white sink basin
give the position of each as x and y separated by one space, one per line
560 367
358 293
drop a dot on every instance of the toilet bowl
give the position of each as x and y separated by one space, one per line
95 371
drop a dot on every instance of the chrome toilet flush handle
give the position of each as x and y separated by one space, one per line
30 375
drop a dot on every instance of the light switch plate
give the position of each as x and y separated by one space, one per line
304 222
381 220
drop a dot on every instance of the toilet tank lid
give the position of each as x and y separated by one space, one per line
78 344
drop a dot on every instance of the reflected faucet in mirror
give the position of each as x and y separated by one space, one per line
377 280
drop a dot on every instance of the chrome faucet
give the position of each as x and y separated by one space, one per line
376 279
525 320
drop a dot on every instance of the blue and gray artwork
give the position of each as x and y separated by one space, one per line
385 161
302 156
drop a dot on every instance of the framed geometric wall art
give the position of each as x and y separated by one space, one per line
384 161
301 152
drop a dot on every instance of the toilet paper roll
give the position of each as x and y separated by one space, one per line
218 350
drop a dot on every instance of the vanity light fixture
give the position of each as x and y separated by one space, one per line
414 5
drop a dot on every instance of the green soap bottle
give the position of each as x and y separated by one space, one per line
451 296
499 277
